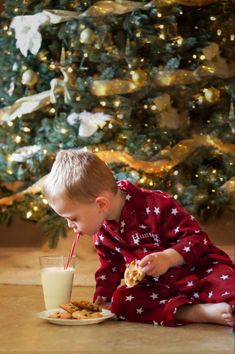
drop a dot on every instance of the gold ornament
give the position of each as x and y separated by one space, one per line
198 98
114 87
139 76
211 94
177 40
43 55
87 36
62 56
29 78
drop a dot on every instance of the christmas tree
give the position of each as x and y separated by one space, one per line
147 85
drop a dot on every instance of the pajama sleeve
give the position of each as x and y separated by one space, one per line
110 273
182 232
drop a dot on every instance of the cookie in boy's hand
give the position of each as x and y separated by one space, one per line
133 274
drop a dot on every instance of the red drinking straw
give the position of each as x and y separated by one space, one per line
71 252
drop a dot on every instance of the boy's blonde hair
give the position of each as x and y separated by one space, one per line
79 175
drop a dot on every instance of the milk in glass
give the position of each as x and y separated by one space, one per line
57 285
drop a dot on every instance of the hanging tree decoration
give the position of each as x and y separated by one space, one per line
58 85
29 78
33 103
169 116
89 122
28 37
24 153
214 64
24 105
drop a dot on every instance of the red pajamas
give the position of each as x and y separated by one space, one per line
152 221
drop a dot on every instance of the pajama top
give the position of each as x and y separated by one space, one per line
152 221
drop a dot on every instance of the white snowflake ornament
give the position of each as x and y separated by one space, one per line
28 37
90 122
25 152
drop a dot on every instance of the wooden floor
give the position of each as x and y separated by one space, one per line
23 333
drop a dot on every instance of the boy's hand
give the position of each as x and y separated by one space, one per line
102 304
155 264
158 263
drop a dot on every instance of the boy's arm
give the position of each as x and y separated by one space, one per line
183 233
186 242
109 274
175 259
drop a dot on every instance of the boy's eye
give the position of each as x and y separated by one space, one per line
71 220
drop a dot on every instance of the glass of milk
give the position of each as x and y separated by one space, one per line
57 282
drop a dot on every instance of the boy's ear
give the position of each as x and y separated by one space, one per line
102 203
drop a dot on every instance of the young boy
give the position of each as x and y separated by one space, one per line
187 279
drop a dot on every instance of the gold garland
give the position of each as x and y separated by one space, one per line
115 87
185 2
196 2
175 155
171 157
104 8
35 188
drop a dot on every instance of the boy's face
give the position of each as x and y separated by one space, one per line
85 218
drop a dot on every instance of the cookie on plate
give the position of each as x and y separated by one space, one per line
70 308
85 314
87 305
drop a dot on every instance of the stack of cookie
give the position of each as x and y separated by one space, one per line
78 310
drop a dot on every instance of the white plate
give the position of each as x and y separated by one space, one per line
59 321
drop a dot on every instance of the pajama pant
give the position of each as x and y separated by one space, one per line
156 300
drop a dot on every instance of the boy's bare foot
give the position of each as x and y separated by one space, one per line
220 313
